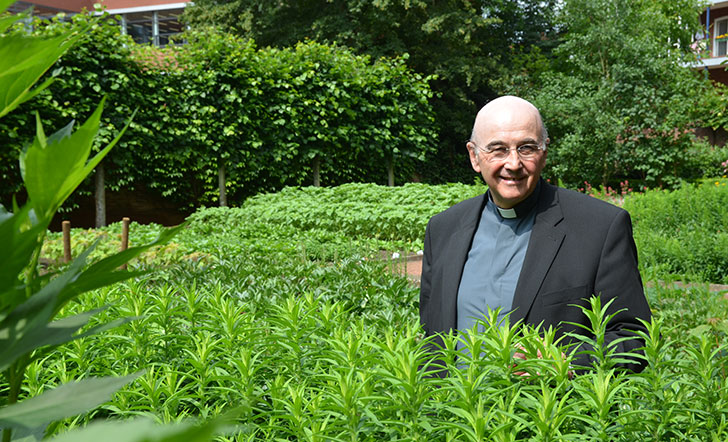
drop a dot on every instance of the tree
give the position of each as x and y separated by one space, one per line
618 95
466 45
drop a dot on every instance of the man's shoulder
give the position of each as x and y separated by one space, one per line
576 203
459 210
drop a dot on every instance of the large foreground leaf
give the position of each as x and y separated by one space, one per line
23 60
53 167
144 430
67 400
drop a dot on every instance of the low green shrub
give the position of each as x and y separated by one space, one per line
683 233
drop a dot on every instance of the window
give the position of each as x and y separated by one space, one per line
140 25
168 25
155 27
720 39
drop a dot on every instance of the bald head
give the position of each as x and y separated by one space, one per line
508 110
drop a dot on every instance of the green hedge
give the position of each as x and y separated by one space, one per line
263 114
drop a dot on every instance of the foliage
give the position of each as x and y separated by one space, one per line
99 65
619 97
217 100
51 168
327 345
683 233
354 210
287 107
465 44
310 350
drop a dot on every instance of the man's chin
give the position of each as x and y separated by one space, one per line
512 196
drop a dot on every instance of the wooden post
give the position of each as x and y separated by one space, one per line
66 226
124 236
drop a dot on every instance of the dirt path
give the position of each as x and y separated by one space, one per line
410 265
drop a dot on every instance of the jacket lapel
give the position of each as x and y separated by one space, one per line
454 261
546 239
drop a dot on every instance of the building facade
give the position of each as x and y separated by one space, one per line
146 21
712 42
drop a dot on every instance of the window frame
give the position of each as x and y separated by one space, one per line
716 34
154 9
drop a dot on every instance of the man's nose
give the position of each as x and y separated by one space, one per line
513 160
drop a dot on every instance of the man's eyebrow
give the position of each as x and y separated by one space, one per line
520 143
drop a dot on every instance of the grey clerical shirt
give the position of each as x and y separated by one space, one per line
495 260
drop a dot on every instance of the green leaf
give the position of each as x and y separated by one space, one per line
143 430
52 168
27 326
67 400
19 244
23 60
32 315
6 22
5 4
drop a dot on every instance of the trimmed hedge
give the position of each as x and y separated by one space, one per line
265 115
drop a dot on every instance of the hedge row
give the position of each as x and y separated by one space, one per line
266 117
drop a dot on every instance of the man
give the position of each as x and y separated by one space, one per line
528 247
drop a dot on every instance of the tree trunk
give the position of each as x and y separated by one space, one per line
100 196
390 172
317 171
221 184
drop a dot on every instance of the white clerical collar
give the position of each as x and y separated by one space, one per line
507 213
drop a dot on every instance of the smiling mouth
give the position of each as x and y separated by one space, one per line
506 178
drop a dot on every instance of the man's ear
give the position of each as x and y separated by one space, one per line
473 157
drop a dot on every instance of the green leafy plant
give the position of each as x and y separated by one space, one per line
52 167
221 110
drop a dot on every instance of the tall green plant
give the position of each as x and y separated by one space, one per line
51 167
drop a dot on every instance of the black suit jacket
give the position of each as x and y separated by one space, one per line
579 246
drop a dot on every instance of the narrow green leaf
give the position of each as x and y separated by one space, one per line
105 271
23 60
53 168
67 400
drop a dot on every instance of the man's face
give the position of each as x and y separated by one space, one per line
512 179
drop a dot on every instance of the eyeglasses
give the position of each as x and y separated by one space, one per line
525 151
